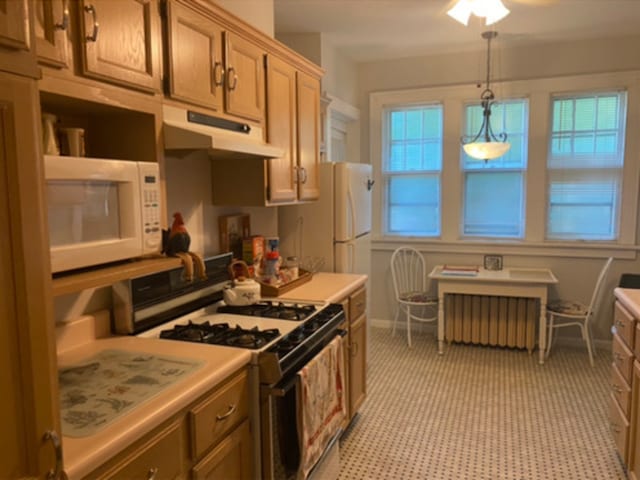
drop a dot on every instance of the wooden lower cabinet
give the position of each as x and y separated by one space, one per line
356 352
633 461
232 459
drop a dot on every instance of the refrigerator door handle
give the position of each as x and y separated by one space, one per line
352 258
352 206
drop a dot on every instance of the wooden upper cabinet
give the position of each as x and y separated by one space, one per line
212 67
195 58
17 54
293 124
244 77
52 21
119 42
308 136
281 129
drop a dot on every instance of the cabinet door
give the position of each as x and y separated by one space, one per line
308 137
244 80
28 374
357 367
51 24
196 71
16 38
281 129
231 459
119 42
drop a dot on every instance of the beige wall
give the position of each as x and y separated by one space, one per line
258 13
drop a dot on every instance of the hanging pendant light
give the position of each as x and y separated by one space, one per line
486 145
492 10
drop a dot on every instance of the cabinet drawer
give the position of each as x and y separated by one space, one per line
625 324
622 358
621 390
232 458
161 454
619 428
216 416
357 304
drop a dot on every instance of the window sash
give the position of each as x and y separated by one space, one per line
501 212
411 166
585 166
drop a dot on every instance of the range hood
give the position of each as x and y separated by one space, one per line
222 138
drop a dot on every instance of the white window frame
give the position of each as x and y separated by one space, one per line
539 92
486 171
387 175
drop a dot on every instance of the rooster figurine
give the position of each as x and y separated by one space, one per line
176 242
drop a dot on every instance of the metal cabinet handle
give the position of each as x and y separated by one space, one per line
231 411
303 175
151 474
614 428
617 357
354 349
94 35
218 74
232 78
56 472
616 388
65 17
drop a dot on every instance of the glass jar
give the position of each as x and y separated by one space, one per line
292 264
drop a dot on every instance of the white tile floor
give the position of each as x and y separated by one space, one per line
480 413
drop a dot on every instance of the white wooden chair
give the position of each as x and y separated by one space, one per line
409 285
563 313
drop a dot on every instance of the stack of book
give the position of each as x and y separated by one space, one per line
465 271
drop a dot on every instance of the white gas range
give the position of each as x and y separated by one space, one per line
283 338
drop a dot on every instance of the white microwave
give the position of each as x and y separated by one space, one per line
101 210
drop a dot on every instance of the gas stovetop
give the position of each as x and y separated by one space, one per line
221 334
269 309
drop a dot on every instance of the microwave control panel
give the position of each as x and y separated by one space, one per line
150 194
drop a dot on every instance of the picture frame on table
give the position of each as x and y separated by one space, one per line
493 262
232 229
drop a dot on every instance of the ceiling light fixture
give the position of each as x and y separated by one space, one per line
491 145
492 10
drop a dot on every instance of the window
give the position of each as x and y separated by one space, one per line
585 166
412 162
494 192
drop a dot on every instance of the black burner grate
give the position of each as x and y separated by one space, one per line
221 334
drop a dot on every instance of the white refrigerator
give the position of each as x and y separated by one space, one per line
337 227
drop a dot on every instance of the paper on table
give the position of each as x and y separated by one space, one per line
468 271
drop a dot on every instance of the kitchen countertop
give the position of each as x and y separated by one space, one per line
325 287
630 298
82 455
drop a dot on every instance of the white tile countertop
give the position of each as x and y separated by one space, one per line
83 454
326 287
630 298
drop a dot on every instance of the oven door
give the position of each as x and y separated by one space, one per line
302 417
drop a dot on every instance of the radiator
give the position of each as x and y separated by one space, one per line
491 320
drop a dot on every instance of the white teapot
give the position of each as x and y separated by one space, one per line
245 291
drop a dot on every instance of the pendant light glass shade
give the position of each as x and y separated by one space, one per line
486 150
486 145
492 10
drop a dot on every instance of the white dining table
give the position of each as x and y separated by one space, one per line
508 282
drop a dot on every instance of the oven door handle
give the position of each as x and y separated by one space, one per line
282 388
